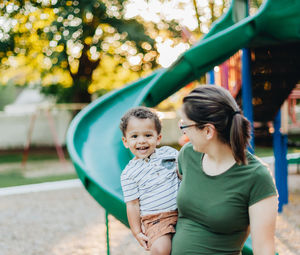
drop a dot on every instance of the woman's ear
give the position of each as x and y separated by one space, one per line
210 131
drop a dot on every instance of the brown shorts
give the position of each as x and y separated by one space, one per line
157 225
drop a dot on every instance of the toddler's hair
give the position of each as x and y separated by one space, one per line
140 112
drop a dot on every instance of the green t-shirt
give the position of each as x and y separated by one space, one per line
213 210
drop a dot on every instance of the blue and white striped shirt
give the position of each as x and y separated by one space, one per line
153 181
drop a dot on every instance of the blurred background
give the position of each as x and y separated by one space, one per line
58 56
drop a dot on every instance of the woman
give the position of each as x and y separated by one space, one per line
226 192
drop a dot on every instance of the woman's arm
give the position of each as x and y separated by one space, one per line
134 219
178 174
262 225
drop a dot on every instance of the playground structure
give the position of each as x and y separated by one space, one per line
268 39
46 109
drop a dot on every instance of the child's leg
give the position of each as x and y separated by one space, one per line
162 245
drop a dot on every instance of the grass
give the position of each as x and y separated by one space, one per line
15 176
268 151
14 157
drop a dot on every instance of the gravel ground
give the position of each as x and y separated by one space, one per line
288 227
60 222
70 222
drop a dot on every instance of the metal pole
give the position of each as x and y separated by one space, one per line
280 150
28 141
107 233
58 147
211 76
247 93
247 86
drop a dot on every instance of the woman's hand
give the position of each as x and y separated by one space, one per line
143 240
262 225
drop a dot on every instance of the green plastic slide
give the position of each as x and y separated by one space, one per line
94 139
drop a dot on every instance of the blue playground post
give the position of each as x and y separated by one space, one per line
281 163
247 86
247 93
211 75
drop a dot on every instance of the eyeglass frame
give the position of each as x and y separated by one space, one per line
200 126
187 126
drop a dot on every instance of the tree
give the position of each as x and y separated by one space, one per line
64 42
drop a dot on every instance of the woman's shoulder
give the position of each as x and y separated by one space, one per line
255 162
188 149
185 148
262 183
259 169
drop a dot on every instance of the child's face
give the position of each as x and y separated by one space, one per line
141 137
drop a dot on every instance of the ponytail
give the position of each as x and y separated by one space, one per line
239 137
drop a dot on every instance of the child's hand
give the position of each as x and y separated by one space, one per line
143 240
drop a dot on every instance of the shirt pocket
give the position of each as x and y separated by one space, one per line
167 168
168 163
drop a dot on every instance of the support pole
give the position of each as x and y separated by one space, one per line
59 150
107 233
281 164
28 141
247 93
211 76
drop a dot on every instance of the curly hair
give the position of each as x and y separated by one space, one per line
140 112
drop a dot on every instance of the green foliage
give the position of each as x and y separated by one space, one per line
65 41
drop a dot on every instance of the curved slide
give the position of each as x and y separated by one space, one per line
94 139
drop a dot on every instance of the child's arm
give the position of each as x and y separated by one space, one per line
134 219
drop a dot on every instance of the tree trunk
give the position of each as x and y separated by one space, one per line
83 77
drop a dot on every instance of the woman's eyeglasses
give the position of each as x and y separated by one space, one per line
187 126
182 126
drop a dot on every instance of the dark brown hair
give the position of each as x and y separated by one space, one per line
140 112
215 105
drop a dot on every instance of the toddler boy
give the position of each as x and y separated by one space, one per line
149 181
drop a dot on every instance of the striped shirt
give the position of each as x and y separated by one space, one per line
153 181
